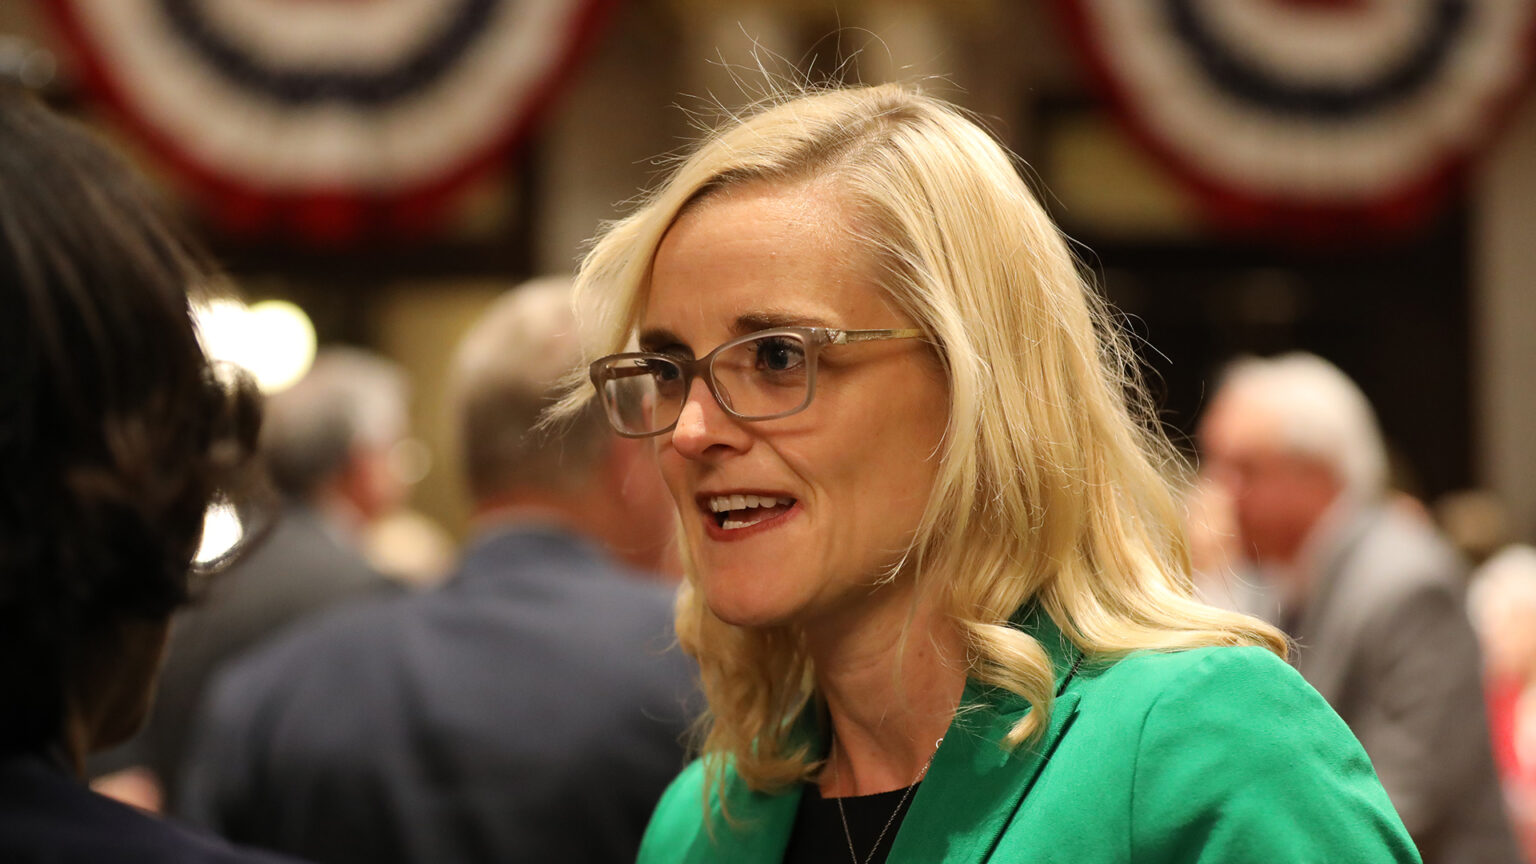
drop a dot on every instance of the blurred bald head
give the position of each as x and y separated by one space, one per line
328 438
507 370
510 367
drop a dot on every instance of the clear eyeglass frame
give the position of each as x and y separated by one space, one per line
634 363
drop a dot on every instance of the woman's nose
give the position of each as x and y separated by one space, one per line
704 430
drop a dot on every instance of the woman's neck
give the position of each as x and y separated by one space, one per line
75 743
890 698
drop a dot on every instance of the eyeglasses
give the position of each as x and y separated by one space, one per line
760 376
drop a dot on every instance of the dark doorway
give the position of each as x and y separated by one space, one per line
1395 318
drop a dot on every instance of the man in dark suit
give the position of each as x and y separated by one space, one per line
1371 593
325 442
528 710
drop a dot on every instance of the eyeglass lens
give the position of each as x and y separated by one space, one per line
768 376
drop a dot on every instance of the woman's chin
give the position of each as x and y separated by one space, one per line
746 615
747 608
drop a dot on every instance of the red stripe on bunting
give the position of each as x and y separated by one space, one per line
328 217
1235 210
1328 5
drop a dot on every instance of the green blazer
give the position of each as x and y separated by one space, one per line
1210 755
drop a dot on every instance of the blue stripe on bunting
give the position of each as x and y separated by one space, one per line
1231 73
461 27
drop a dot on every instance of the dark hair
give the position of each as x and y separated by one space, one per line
114 431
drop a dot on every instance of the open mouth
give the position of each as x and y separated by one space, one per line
734 512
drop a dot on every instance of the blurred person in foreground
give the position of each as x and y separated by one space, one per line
529 709
325 442
115 437
1503 605
936 581
1373 596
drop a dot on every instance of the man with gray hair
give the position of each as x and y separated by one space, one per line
529 709
326 443
1372 595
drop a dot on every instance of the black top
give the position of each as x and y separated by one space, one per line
49 817
818 836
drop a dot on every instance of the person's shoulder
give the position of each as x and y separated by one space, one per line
569 567
1223 675
58 820
168 841
301 560
678 818
369 618
1227 681
329 641
633 607
1400 554
647 590
1402 588
1238 706
1235 738
1217 661
687 788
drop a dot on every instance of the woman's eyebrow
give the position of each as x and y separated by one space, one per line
657 338
751 322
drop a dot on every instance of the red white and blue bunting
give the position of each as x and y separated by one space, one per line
1310 115
327 120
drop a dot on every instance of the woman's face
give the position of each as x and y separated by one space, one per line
852 473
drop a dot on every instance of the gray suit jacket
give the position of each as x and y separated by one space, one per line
530 709
1385 638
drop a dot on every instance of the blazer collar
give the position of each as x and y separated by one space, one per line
975 785
970 793
519 552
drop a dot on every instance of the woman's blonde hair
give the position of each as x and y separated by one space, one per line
1054 478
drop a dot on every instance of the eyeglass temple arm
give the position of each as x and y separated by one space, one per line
843 337
616 372
625 372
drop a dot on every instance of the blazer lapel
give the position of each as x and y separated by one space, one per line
972 790
760 824
974 786
758 832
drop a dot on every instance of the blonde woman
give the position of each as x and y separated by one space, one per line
937 586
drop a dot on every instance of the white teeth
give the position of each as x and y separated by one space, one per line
748 519
722 503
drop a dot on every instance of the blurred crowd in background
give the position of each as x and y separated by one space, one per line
1318 217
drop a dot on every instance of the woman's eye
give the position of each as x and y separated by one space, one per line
779 355
663 371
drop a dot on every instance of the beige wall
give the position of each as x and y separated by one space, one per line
1504 319
418 326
